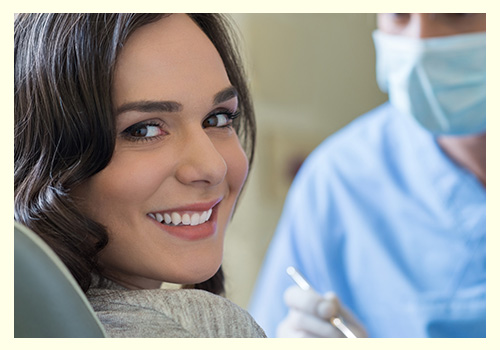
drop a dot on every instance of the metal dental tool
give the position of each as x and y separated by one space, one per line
304 285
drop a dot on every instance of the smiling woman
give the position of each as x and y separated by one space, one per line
131 132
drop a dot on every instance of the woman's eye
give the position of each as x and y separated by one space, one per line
219 120
143 131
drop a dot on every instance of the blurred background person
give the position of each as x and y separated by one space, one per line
390 213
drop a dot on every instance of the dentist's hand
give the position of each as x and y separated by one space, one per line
310 313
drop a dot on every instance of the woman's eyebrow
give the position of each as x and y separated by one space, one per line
150 106
172 106
225 95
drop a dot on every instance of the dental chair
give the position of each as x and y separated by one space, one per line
48 302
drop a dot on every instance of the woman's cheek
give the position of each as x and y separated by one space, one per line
135 176
237 163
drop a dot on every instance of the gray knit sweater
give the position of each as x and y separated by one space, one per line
164 313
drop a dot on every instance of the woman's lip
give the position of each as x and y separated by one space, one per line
195 207
193 233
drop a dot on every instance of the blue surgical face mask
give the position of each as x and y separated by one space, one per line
441 81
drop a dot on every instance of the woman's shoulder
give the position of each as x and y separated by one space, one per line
186 312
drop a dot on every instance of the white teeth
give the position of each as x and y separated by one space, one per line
195 219
159 217
176 219
168 219
186 219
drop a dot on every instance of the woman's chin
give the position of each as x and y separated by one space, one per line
195 277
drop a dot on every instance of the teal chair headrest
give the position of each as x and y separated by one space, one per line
48 302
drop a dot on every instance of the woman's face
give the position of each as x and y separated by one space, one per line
178 167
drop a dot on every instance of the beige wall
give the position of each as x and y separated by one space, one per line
310 75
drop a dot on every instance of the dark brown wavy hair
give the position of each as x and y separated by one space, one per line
65 127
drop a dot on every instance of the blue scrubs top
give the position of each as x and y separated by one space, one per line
381 216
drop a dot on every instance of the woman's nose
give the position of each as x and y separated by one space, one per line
200 162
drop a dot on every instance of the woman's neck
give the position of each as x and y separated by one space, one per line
467 151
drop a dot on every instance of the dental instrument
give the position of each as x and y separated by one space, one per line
304 285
